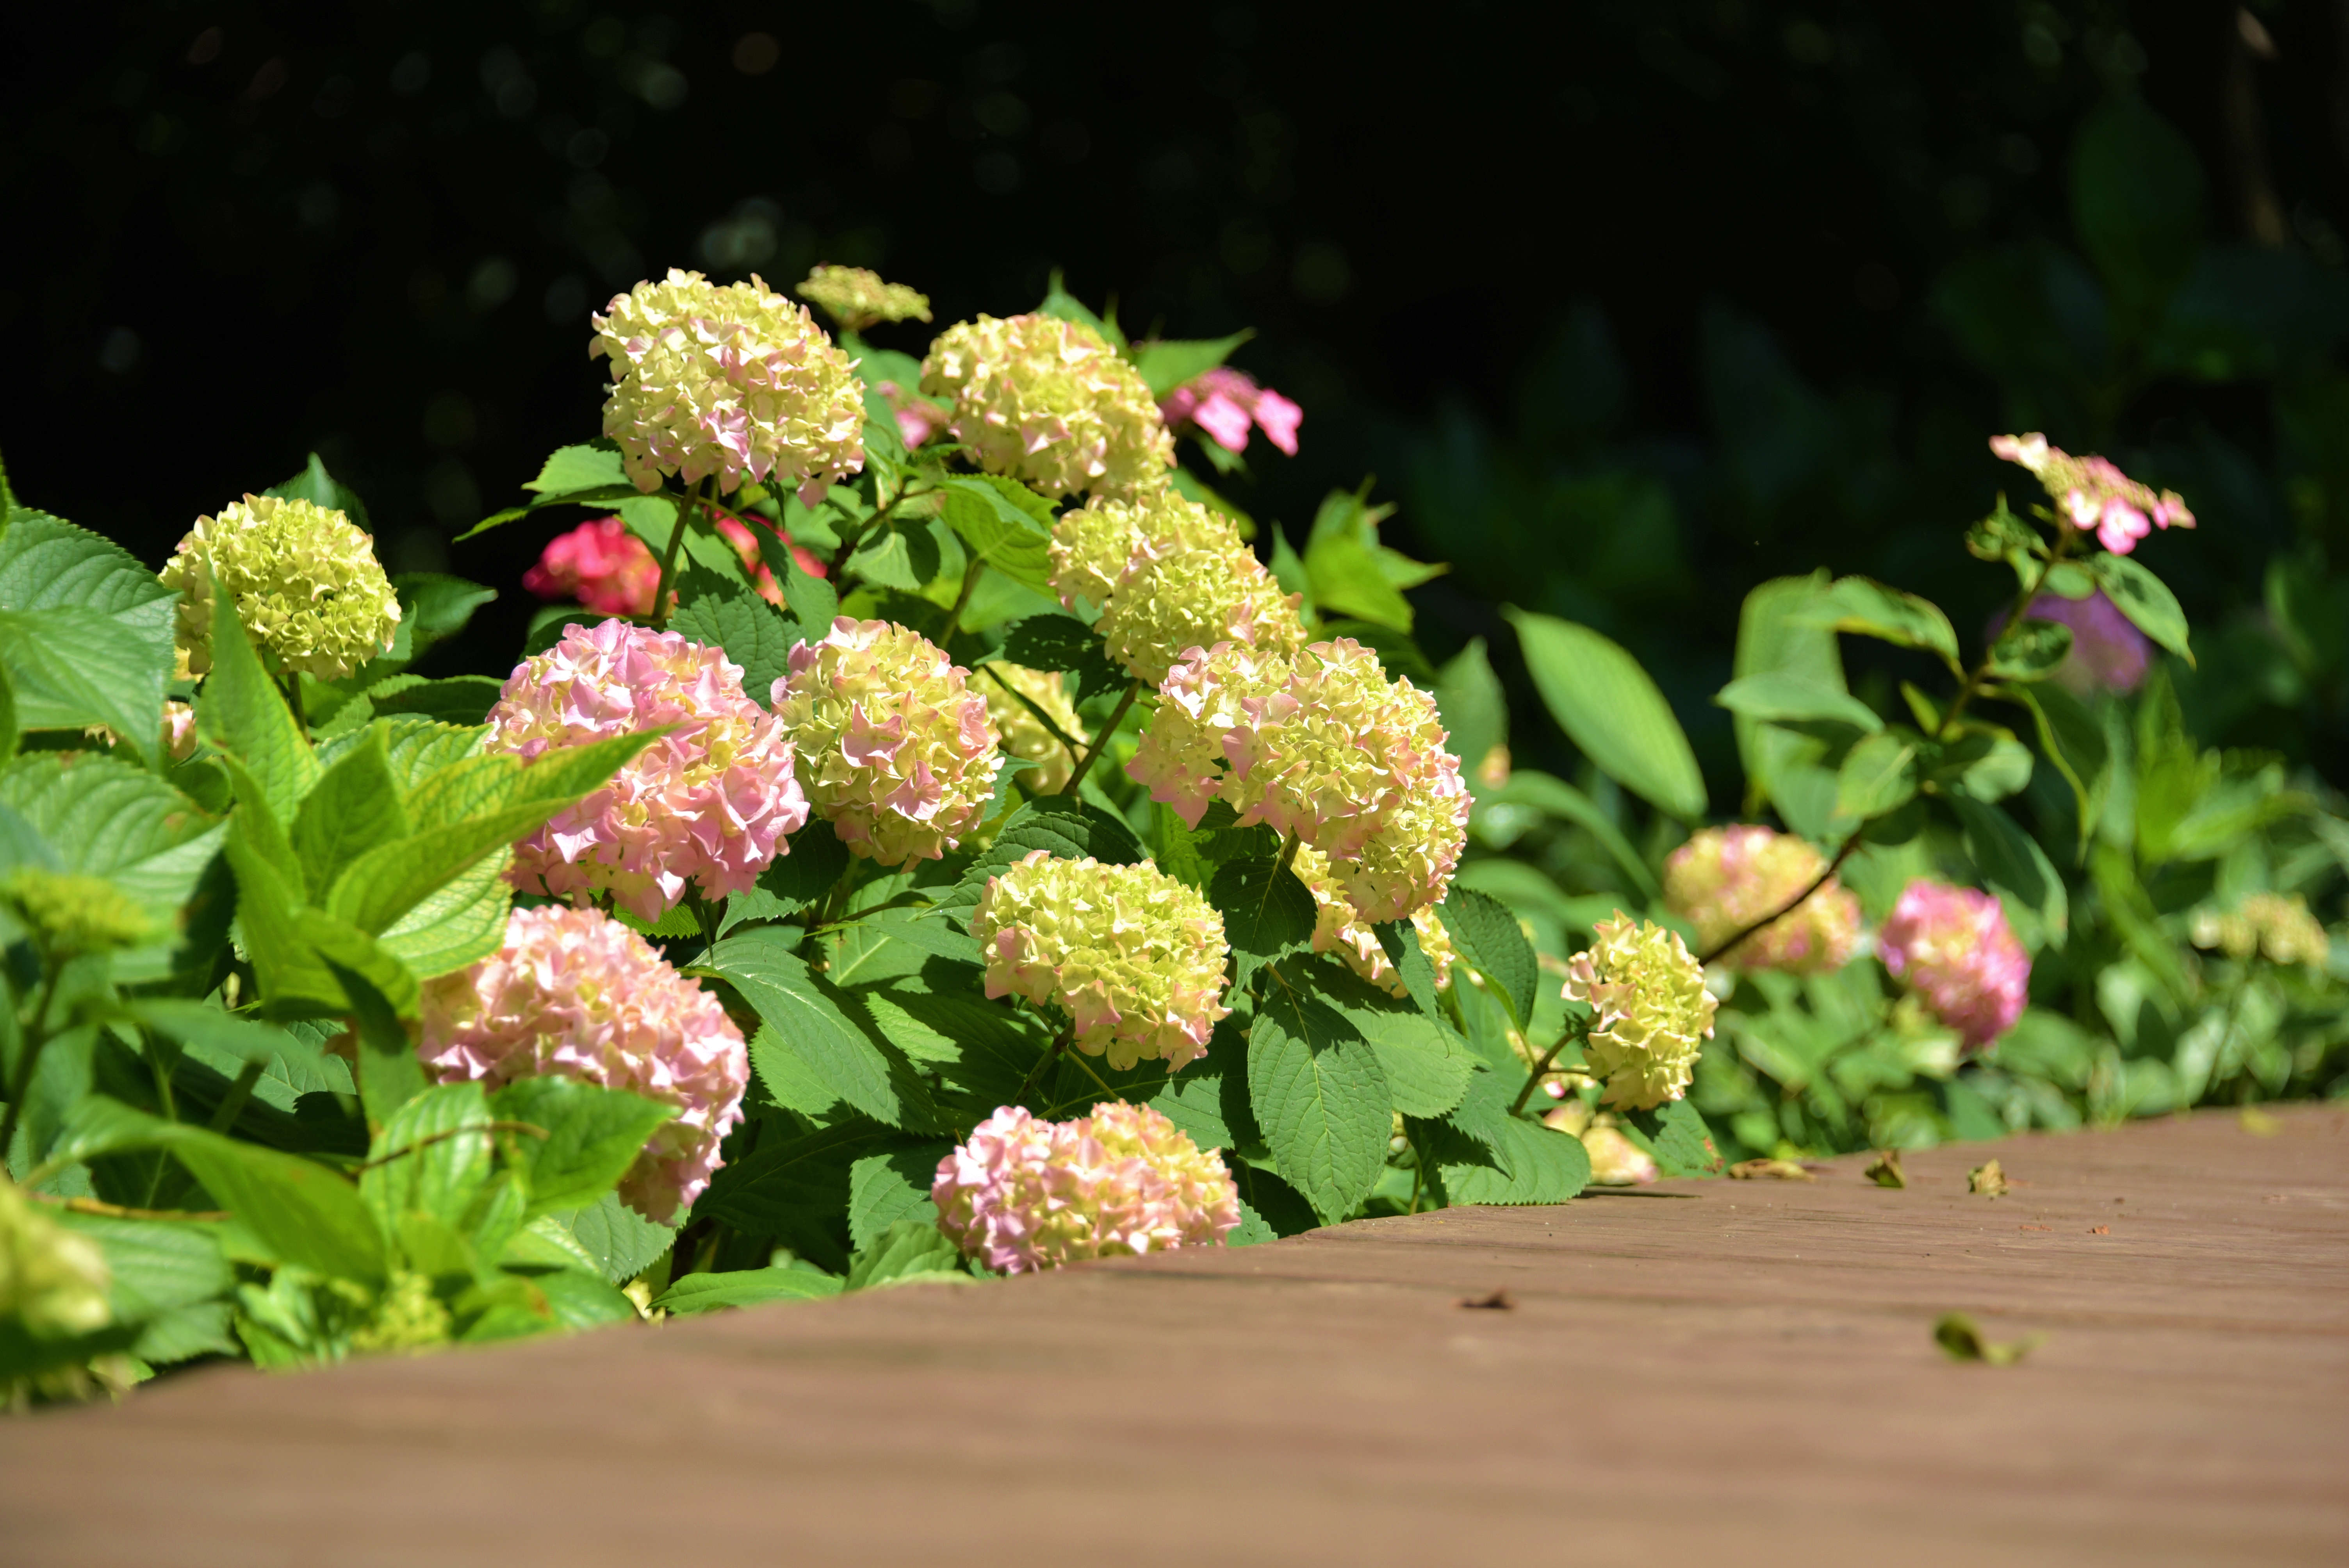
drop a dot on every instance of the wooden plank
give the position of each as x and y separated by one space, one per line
1726 1368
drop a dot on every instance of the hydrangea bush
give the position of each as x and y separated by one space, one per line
978 847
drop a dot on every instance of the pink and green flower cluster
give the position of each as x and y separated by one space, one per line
1724 879
1050 402
1954 949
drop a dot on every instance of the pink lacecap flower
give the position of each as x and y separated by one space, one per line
2092 495
2108 653
1225 402
575 994
1953 947
710 803
1020 1194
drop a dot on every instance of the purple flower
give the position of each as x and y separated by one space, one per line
2108 653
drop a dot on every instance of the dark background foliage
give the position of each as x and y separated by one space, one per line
1630 305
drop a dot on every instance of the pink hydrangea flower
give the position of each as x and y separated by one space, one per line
1022 1195
1225 402
2092 495
2108 653
1954 949
601 565
1724 879
895 750
918 418
575 994
710 803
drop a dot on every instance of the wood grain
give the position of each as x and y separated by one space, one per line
1739 1370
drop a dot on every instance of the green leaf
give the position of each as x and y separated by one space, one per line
2010 859
435 606
1063 643
355 805
1489 938
1346 578
1781 696
570 476
389 1074
1987 763
1399 939
1554 796
748 628
319 488
1166 366
1878 777
884 1189
240 711
124 624
812 861
2137 201
929 932
1612 710
2030 650
1677 1138
796 1189
1531 1164
1320 1097
71 667
1780 632
171 1279
206 1024
99 816
1427 1065
1474 709
10 731
1060 824
810 1020
700 1292
998 521
2073 740
290 943
593 1136
462 921
1862 606
909 1252
1060 303
622 1243
431 1158
2145 599
457 700
1266 911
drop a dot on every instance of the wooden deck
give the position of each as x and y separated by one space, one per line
1726 1371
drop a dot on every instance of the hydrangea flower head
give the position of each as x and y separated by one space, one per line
305 578
601 565
1651 1012
575 994
1134 957
1014 694
1724 879
1953 947
2108 653
2092 495
1050 402
856 298
728 379
1020 1194
1339 927
2276 924
918 417
708 803
1224 402
1175 599
53 1281
895 750
1094 544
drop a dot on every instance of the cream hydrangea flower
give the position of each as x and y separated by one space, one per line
305 578
710 803
730 379
1094 544
2276 924
575 994
1339 927
1134 957
1651 1012
1050 402
1005 685
856 298
1177 598
54 1285
1724 879
895 751
1020 1194
1207 695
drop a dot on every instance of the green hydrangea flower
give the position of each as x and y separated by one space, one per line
305 581
1050 402
1651 1013
857 298
1094 544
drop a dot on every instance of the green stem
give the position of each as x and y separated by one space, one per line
1024 700
1980 672
293 689
698 495
232 1103
34 1036
1541 1069
962 600
1036 1073
1085 763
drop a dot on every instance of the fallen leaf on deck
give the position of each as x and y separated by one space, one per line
1989 1180
1499 1300
1961 1339
2100 1230
1769 1170
2258 1123
1884 1170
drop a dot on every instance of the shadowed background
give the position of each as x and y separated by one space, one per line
1628 309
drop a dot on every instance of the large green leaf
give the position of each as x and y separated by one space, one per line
1488 936
811 1022
1529 1164
2010 859
355 805
1427 1065
463 921
290 942
1319 1096
319 488
570 476
1878 777
1547 793
592 1136
1476 711
1781 630
101 816
1346 580
908 1252
1868 608
1060 824
1677 1138
1003 523
71 667
431 1158
1780 696
1612 710
1062 643
171 1279
2146 600
884 1188
748 628
700 1292
240 711
1266 911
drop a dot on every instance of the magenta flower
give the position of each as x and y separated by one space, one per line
1225 402
601 565
710 803
2092 495
1953 947
1022 1195
575 994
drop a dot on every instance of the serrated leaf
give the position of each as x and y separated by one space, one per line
171 1279
748 628
1266 911
796 1189
1427 1065
1399 939
1676 1137
1003 528
1612 710
1535 1165
593 1136
699 1292
48 564
462 700
1320 1097
1060 824
1488 936
462 921
929 932
884 1189
319 488
1346 578
355 805
813 1023
204 1023
435 606
71 667
1474 709
432 1157
908 1252
623 1242
2145 599
1066 644
101 816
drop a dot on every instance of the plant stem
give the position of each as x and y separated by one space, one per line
698 495
232 1102
962 600
1541 1069
1980 672
1723 949
1085 763
32 1038
1036 1073
1057 733
293 689
1288 854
